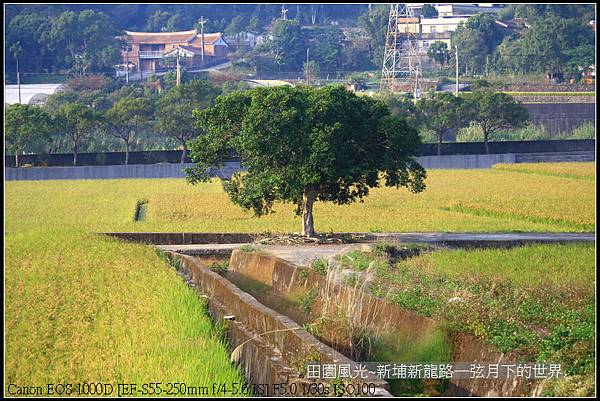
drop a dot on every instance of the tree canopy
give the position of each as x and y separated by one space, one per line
495 111
302 145
174 110
126 119
77 122
25 126
440 113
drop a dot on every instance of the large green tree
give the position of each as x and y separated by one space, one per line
485 24
302 145
126 119
375 24
441 113
494 112
326 47
472 50
551 41
84 41
28 29
76 122
174 111
288 45
24 128
439 53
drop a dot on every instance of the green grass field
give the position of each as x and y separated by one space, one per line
87 308
585 171
83 307
538 300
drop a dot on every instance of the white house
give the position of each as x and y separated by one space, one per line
441 24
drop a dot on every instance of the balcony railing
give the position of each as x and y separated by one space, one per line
151 54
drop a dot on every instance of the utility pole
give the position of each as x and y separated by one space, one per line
18 80
202 21
283 12
127 65
456 56
140 67
307 67
16 50
178 70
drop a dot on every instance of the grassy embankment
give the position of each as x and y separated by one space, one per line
538 300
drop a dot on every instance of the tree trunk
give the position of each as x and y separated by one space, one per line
485 141
17 158
439 145
184 153
308 199
75 154
126 153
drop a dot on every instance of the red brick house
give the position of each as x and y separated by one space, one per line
147 49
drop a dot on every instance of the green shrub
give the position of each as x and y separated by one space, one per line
472 133
248 248
356 260
530 132
321 266
307 300
220 267
383 249
585 131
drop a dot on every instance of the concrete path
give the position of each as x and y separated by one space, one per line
305 254
298 254
449 237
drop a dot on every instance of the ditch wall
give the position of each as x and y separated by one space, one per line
285 277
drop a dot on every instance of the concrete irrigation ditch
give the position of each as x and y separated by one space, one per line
269 334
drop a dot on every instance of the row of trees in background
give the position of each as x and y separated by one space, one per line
95 116
443 113
72 121
553 39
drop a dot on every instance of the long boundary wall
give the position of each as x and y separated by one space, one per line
427 149
176 170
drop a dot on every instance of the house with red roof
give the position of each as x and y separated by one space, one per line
147 49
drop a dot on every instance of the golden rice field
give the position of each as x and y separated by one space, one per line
455 200
82 307
567 170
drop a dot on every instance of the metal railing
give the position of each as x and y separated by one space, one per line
151 54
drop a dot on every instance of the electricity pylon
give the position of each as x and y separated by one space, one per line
401 64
